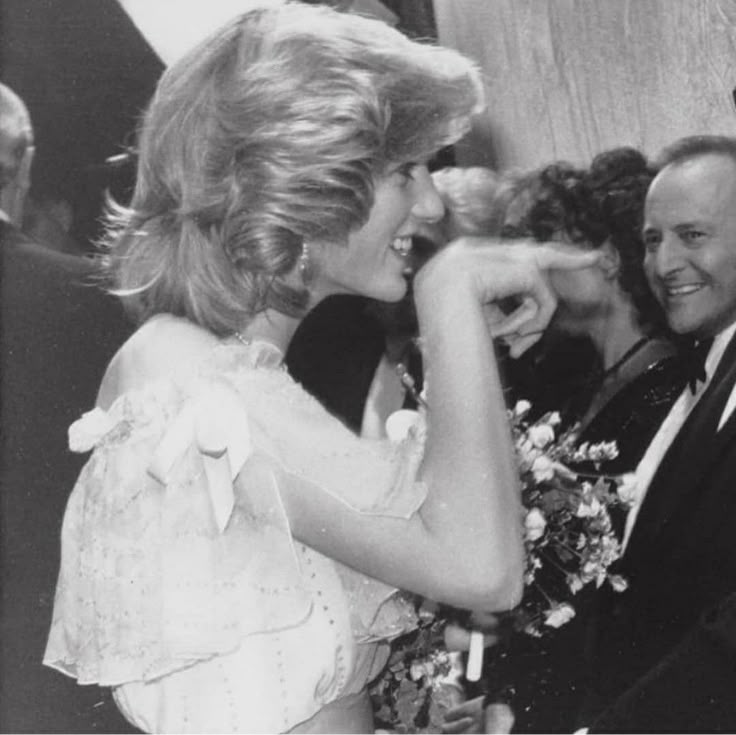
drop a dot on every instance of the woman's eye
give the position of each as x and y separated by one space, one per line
406 172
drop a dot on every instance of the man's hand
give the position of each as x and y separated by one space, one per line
457 637
465 717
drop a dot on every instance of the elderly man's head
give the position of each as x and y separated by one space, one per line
16 153
690 234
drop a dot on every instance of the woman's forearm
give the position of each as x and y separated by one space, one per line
473 506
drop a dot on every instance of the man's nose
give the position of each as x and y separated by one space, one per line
428 205
669 256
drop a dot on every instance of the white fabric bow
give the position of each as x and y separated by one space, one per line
217 425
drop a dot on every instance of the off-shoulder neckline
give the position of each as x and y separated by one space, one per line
266 353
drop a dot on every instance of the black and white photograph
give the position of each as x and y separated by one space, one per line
367 366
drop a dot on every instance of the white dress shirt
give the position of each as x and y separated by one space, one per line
673 423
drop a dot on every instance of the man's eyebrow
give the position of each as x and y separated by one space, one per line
689 224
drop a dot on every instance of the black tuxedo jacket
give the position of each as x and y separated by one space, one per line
56 336
664 651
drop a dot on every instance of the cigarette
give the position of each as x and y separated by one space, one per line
475 656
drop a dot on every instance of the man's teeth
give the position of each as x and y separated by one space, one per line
682 290
402 246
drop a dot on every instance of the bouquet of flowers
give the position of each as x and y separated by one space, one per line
418 684
569 542
569 538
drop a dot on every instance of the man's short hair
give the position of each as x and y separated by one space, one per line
694 146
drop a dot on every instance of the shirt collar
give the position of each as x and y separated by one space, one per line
720 342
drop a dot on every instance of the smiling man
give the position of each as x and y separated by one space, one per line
664 657
690 235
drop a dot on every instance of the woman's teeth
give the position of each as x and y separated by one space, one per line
402 246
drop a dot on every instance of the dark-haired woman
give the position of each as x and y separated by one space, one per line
639 371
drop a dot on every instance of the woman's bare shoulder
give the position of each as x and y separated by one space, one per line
157 349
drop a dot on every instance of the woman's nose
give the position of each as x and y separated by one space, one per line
428 205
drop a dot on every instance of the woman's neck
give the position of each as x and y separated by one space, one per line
626 351
615 335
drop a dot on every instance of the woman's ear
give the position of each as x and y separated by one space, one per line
610 260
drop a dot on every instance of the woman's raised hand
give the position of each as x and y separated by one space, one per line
509 280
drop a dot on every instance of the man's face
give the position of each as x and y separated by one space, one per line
690 239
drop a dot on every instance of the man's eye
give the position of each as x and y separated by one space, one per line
692 235
651 240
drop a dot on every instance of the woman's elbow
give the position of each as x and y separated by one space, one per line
484 588
498 574
502 592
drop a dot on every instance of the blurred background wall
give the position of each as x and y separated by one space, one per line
568 78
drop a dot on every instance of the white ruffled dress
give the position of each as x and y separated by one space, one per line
184 589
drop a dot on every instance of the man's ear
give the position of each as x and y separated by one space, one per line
610 260
14 193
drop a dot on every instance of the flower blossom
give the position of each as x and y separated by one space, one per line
522 408
532 564
541 435
602 451
419 669
534 524
559 614
589 508
543 468
619 583
628 488
574 583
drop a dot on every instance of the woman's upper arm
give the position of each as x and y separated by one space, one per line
360 501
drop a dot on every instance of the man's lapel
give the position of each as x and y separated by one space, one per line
686 464
724 439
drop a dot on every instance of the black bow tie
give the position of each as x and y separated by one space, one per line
695 363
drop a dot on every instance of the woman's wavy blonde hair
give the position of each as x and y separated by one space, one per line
267 135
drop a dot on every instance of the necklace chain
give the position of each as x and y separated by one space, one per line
409 383
633 350
406 378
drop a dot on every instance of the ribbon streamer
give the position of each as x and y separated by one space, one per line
217 425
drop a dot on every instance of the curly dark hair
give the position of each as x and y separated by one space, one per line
603 203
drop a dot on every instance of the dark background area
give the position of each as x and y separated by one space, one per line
85 74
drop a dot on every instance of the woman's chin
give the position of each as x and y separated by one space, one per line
389 292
